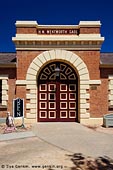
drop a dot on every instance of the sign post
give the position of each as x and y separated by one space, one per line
18 109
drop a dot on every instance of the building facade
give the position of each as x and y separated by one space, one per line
60 73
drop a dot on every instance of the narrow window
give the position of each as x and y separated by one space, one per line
0 91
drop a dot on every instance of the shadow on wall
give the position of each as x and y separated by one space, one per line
82 162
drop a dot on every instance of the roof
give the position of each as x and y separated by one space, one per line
106 58
7 58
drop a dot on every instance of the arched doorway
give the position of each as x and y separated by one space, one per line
57 94
31 81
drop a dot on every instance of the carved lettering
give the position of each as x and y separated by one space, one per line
57 31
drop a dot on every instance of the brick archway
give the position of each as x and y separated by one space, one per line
66 56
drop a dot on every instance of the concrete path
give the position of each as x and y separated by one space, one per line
76 138
16 135
72 137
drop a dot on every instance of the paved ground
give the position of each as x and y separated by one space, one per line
56 146
32 153
15 135
76 138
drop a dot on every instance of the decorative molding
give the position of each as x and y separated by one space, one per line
94 82
61 47
48 42
5 88
70 45
92 121
21 82
106 65
9 65
89 23
26 23
34 23
80 37
110 96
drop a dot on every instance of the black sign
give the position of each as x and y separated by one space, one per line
18 106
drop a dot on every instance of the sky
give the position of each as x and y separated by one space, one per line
55 12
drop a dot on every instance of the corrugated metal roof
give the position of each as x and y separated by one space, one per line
106 58
7 58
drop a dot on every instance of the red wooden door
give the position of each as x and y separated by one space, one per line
57 96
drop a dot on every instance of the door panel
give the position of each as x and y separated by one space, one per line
57 96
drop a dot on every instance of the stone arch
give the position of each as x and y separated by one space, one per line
31 80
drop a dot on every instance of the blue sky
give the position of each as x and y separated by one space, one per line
64 12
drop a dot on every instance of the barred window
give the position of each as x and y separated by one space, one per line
0 91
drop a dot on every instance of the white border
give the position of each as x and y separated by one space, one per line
72 107
54 96
72 116
63 107
54 114
63 116
45 87
65 98
54 87
52 107
42 116
74 88
45 105
63 85
73 98
45 96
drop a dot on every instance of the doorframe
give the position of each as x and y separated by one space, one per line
83 85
